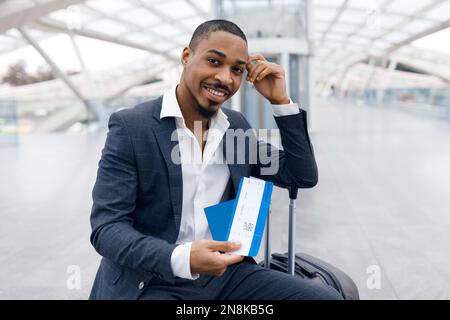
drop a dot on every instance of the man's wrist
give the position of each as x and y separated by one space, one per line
283 110
284 100
180 262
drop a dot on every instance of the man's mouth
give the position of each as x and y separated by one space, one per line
216 94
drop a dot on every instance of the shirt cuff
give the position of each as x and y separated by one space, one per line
180 261
281 110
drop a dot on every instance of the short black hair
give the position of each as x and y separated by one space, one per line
206 28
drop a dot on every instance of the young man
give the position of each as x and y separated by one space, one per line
147 218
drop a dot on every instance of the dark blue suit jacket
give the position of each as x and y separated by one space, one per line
138 193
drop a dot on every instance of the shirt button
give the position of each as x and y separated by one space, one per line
141 285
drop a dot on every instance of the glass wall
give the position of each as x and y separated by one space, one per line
425 101
59 115
8 123
294 77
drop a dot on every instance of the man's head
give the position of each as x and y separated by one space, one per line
208 27
214 64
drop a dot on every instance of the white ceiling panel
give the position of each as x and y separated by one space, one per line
362 28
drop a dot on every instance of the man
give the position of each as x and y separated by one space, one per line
147 218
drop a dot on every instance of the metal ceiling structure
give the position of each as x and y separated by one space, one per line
350 31
154 26
346 32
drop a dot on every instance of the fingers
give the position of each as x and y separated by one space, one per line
223 261
205 257
264 73
254 62
224 246
259 72
262 69
254 71
256 56
229 259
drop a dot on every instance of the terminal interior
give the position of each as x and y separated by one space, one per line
373 76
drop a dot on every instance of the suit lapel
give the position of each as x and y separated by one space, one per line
163 133
236 170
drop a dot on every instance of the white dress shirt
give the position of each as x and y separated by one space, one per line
204 177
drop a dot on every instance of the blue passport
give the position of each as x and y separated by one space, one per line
221 216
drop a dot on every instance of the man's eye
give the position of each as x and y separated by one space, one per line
213 61
238 70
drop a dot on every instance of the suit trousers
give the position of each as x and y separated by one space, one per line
242 281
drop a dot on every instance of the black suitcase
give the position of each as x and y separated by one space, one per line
304 265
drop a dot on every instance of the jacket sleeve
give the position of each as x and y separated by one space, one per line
114 197
295 165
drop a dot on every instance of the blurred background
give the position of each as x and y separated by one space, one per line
374 76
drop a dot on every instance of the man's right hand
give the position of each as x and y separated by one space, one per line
206 256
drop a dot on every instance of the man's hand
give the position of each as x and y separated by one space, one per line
206 258
268 78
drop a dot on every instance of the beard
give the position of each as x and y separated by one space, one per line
204 112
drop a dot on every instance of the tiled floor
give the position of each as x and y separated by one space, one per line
383 199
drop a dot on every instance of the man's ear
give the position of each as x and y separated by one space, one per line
185 56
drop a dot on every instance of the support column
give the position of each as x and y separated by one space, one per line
285 63
307 101
94 102
390 69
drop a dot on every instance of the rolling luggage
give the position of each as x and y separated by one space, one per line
306 266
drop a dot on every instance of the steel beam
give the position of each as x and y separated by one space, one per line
56 26
56 70
12 15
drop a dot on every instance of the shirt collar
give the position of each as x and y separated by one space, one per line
171 108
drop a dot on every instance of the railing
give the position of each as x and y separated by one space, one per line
430 102
25 117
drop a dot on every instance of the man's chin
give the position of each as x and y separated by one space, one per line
209 111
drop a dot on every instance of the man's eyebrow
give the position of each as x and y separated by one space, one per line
223 55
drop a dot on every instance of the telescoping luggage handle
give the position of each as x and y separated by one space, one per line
291 249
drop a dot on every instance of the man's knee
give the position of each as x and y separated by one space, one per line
329 293
316 291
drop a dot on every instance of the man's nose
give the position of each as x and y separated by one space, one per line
224 76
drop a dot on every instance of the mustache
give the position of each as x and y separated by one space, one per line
219 86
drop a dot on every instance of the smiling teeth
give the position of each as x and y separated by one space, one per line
216 93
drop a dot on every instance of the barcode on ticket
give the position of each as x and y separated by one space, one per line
248 226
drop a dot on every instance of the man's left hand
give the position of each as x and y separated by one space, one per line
268 78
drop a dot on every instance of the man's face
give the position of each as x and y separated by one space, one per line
214 71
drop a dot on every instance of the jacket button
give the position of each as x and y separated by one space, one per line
141 285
